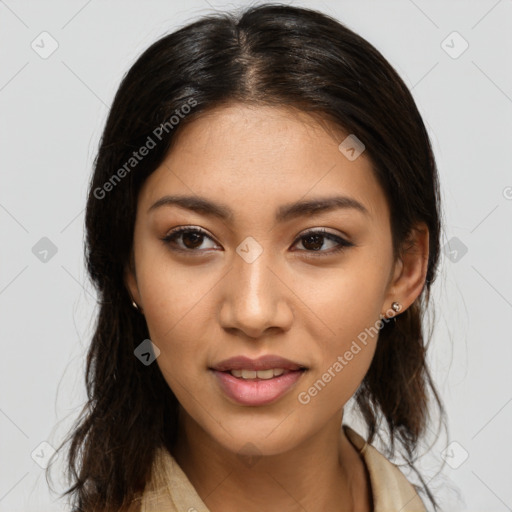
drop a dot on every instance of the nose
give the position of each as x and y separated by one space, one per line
255 298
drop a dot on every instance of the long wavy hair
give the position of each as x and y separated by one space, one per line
268 55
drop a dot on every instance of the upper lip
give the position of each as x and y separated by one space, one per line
265 362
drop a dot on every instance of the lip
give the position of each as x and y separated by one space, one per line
265 362
256 392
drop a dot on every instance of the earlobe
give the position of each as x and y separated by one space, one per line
410 271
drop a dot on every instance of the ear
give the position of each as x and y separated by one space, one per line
130 279
410 270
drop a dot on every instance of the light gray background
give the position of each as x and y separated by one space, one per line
53 111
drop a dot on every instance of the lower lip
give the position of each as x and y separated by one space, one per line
257 391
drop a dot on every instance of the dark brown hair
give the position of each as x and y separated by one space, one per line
266 55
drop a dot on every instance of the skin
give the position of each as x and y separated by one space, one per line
207 306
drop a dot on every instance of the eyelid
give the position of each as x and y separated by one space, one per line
192 228
323 231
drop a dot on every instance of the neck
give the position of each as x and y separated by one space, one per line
325 472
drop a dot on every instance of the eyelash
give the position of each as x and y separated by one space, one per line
342 243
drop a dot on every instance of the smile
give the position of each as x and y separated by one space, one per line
260 374
257 388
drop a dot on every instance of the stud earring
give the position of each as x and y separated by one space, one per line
396 307
134 304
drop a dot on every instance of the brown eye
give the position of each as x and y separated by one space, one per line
190 238
313 241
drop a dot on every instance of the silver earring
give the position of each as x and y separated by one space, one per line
396 307
135 305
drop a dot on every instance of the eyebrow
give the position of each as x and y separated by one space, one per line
284 213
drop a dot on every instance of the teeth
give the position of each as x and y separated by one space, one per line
260 374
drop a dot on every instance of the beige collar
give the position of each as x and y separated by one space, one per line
170 490
390 489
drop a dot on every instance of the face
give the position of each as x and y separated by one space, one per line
254 276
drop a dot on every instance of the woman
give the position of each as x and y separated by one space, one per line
263 231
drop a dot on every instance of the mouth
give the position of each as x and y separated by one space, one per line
257 382
267 363
271 373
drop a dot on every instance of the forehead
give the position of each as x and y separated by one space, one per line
258 157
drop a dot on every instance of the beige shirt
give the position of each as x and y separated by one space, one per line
170 490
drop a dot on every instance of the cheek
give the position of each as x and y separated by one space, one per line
177 310
350 298
174 294
348 307
343 361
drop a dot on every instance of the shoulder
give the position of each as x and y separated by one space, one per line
391 490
